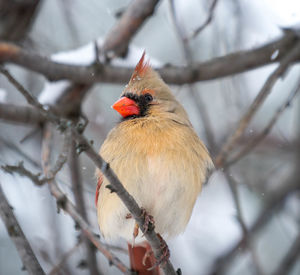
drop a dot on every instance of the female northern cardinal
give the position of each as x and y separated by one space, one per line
158 157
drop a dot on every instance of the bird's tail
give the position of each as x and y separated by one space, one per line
142 259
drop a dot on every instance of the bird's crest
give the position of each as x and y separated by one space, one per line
141 68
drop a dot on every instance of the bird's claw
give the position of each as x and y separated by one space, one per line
148 220
165 254
148 224
148 253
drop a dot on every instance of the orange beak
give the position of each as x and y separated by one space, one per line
126 107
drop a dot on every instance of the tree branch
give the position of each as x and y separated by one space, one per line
16 18
15 232
20 114
20 169
215 68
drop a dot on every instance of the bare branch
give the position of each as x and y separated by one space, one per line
65 257
13 147
233 185
233 188
15 232
126 198
206 22
218 67
62 158
118 39
21 170
254 142
260 98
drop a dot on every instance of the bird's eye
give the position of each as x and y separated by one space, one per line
148 97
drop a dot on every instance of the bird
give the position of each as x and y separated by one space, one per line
158 157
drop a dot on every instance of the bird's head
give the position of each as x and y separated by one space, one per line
147 94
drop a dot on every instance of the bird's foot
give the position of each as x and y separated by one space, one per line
148 224
165 253
148 221
149 253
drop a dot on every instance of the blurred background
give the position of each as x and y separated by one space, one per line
233 199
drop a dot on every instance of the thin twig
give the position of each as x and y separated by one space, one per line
233 188
259 100
64 258
76 181
255 141
289 259
234 191
13 147
15 232
30 99
117 248
206 22
62 158
38 179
